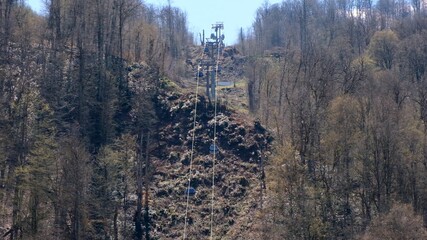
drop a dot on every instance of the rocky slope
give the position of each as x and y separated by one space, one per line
243 145
238 172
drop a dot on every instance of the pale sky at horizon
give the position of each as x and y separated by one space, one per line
233 13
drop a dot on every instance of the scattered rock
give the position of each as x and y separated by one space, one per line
244 182
162 193
173 157
236 167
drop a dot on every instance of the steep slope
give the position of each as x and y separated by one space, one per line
238 173
238 169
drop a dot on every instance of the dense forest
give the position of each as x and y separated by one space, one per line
70 119
341 86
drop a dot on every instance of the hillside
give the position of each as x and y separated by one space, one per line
320 122
90 126
242 144
237 170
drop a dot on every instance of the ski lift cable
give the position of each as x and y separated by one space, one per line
214 144
192 148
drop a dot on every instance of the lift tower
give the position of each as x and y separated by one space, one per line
214 46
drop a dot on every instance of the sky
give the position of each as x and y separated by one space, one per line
202 14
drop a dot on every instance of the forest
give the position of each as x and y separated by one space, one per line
93 109
344 91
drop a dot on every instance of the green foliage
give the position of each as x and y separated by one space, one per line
111 186
73 187
118 160
169 85
383 48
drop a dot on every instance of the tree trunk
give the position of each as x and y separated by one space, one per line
138 213
147 182
115 227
